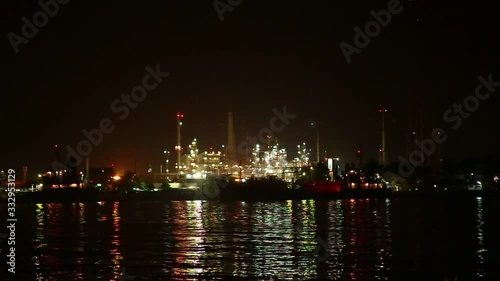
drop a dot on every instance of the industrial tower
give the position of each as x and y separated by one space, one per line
383 161
231 141
178 147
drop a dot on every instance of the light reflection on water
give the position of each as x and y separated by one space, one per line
480 236
369 239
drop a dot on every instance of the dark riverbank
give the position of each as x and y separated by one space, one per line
240 194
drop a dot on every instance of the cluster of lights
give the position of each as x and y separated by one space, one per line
207 162
196 175
304 155
270 160
274 160
193 155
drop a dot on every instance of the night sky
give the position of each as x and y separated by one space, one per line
264 55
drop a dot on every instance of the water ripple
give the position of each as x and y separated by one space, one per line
305 239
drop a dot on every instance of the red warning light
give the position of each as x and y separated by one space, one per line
55 145
112 165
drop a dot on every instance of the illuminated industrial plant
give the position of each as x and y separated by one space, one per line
265 160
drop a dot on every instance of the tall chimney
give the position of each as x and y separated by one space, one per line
231 142
178 147
87 170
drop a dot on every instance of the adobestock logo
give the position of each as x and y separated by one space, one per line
50 8
322 250
211 189
274 127
454 115
221 7
372 29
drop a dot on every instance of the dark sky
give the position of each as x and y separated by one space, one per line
264 55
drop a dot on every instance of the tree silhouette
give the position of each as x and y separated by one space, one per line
321 172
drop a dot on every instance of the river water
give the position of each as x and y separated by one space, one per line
369 239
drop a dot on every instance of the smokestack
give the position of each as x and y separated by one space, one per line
178 147
231 142
87 170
